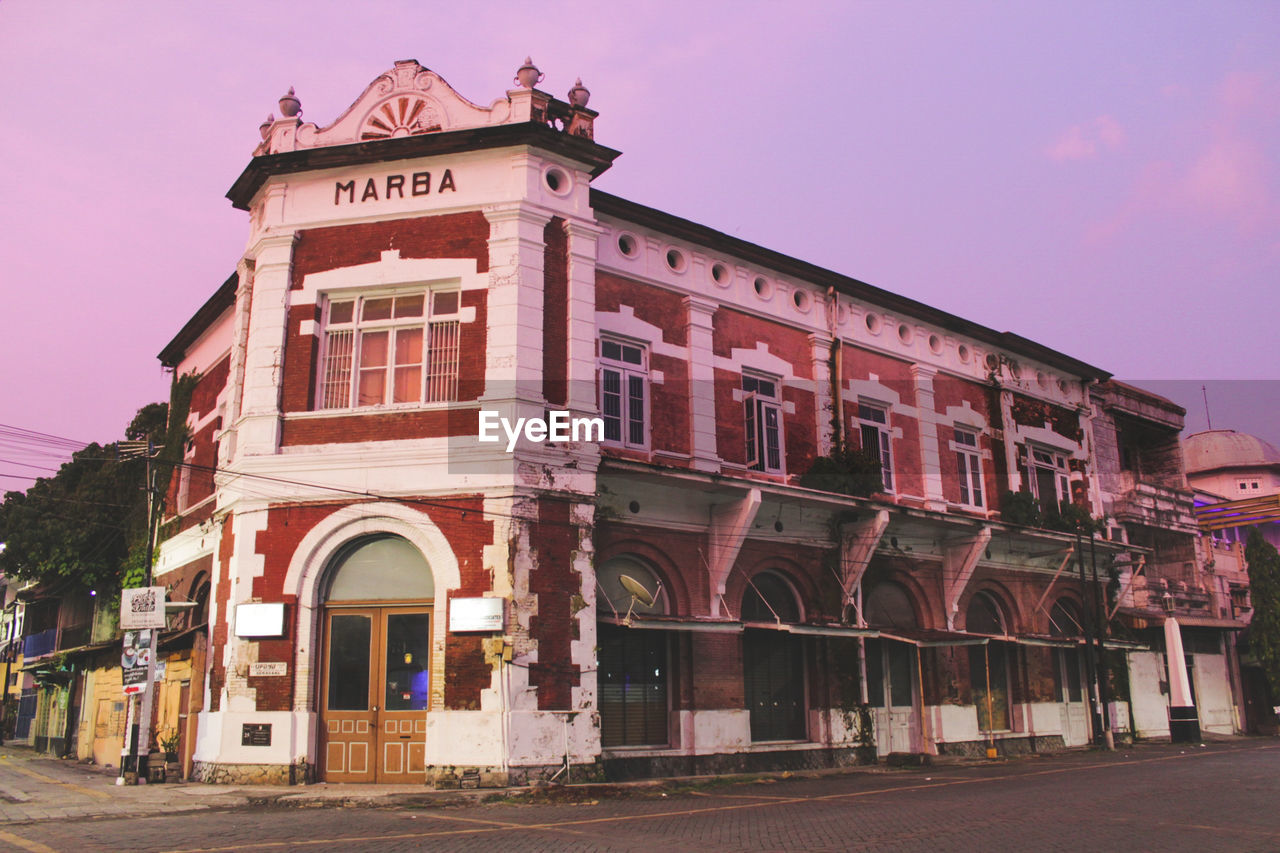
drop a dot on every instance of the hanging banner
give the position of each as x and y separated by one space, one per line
142 607
134 660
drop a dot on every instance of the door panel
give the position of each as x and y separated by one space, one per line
375 695
406 695
1075 716
348 713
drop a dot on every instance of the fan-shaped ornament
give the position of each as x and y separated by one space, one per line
405 115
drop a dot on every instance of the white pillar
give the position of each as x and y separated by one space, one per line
258 427
702 403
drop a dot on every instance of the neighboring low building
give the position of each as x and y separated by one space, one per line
1146 497
1236 478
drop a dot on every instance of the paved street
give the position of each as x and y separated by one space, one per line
1169 798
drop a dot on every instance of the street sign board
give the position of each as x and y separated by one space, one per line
134 659
142 607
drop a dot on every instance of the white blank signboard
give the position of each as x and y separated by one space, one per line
259 620
475 614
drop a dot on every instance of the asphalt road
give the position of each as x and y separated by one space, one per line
1224 796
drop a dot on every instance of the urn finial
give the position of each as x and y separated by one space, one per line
265 127
529 76
290 106
579 94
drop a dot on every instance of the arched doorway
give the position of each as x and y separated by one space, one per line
990 665
376 670
1068 672
634 662
891 669
773 661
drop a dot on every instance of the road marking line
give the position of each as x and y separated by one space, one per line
70 785
33 846
563 825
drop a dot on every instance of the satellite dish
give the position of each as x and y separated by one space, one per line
637 590
638 593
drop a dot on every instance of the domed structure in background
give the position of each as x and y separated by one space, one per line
1231 465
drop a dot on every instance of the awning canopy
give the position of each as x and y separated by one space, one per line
674 623
1051 642
690 623
931 637
1239 513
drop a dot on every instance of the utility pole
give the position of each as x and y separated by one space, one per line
148 689
136 748
1092 654
1100 613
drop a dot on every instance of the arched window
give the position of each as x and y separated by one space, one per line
200 595
634 660
768 598
380 568
1065 620
986 616
617 600
887 605
773 661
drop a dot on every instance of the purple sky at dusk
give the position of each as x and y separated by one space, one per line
1101 178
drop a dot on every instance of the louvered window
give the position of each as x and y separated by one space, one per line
390 349
773 661
633 687
873 425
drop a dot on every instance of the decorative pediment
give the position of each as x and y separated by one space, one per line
409 100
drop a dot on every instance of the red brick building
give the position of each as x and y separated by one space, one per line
396 599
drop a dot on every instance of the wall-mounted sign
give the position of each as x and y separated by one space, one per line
269 668
475 614
259 620
142 607
359 190
255 734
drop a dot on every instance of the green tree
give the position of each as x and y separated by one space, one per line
82 525
1264 589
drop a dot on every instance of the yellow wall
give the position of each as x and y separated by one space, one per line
105 709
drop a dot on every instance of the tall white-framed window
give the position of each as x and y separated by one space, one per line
1047 476
762 404
389 349
624 392
873 424
968 466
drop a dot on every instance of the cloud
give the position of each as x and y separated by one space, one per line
1084 141
1226 172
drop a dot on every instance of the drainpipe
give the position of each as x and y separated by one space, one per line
837 367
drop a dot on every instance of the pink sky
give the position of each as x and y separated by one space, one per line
1102 178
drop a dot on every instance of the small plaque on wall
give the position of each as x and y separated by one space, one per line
270 668
255 734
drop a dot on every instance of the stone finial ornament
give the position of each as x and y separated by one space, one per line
529 76
290 106
265 127
579 94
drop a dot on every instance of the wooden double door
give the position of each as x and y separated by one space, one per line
376 691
